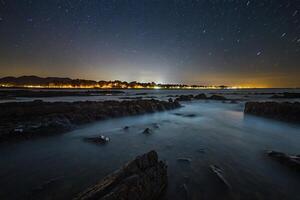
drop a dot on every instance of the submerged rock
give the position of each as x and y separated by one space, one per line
289 160
220 174
147 131
144 178
98 140
184 160
285 111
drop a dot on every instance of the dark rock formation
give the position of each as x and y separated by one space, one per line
98 140
291 161
285 111
26 119
184 160
147 131
144 178
200 96
217 97
219 172
185 97
286 95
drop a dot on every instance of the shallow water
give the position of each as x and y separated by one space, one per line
60 166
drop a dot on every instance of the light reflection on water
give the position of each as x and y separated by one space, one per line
219 133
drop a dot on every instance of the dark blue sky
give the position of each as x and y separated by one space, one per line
232 42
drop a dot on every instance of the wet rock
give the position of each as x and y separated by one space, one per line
170 100
200 96
147 131
184 160
98 140
219 172
217 97
185 115
126 128
288 160
40 118
285 111
144 178
286 95
185 98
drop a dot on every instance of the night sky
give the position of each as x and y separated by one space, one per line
232 42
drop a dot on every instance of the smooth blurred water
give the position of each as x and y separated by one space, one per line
219 133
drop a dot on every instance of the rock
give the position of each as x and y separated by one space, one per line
185 98
184 160
170 100
126 128
98 140
285 111
200 96
190 115
147 131
217 97
185 115
144 178
219 173
291 161
286 95
41 118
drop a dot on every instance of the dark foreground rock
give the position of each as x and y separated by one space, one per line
285 111
144 178
26 119
291 161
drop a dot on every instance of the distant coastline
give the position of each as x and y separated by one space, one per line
68 83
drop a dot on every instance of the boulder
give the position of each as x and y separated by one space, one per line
144 178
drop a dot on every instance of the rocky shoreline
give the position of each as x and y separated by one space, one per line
285 111
27 119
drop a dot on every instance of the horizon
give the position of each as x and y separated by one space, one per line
162 84
236 43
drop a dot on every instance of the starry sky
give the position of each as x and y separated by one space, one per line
252 43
